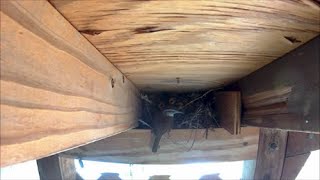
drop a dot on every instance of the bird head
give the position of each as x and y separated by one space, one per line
171 112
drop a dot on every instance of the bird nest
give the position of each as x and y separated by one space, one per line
197 109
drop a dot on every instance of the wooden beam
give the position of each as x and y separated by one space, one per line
293 165
188 45
282 154
271 154
301 143
299 147
228 108
56 168
57 90
180 146
285 93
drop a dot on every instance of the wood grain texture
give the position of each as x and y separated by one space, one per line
228 107
271 154
56 90
285 93
203 43
133 147
301 143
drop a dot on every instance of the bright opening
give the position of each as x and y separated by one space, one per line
223 170
311 169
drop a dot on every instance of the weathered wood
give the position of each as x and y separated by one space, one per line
271 154
266 98
293 153
57 90
301 143
299 146
180 146
228 108
202 43
285 93
293 165
56 168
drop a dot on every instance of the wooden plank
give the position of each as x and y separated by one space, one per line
297 149
56 168
302 143
203 43
228 107
271 154
285 93
180 146
57 90
293 165
299 146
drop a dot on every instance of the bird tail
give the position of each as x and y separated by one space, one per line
155 145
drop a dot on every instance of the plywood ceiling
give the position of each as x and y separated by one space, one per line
189 45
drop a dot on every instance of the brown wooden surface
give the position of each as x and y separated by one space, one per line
266 100
271 154
289 158
285 93
56 168
202 43
228 107
133 147
301 143
299 147
56 90
293 165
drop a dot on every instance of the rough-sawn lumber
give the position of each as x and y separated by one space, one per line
57 90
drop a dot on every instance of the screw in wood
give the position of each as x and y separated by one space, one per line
273 146
112 82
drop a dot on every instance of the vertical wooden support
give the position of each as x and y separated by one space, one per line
228 106
281 154
271 154
56 167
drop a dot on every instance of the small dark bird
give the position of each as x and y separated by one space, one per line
162 123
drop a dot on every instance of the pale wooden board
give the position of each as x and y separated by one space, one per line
133 146
203 43
56 90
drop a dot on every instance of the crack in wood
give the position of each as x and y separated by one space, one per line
150 29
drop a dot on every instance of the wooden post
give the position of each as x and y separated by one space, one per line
285 93
282 154
57 90
271 154
56 168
